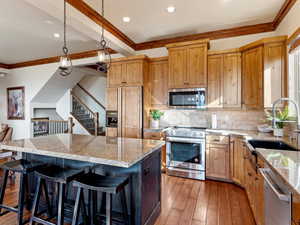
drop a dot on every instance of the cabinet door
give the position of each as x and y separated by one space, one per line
197 66
177 68
133 74
232 81
237 161
218 162
159 83
274 72
111 132
214 89
253 78
114 76
112 99
131 111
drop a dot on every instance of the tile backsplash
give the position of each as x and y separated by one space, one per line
240 120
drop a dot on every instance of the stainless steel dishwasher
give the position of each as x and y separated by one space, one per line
278 201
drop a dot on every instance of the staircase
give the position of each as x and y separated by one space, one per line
86 117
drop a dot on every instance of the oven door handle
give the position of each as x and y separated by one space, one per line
282 197
185 140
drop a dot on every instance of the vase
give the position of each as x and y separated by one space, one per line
278 132
154 123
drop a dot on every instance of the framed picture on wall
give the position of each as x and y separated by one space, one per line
16 103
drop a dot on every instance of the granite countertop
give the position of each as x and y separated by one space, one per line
120 152
285 163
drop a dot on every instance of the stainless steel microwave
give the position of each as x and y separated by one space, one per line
192 98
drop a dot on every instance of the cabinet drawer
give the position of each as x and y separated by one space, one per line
153 135
217 139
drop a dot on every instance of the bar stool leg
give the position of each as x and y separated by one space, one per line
36 201
124 206
21 198
46 195
61 201
77 207
92 206
108 209
3 187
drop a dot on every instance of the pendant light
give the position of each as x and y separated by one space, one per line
104 57
65 67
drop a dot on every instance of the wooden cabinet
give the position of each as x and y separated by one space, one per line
130 112
253 78
111 132
188 64
232 80
127 71
111 99
224 80
237 151
254 185
158 75
218 157
274 72
214 84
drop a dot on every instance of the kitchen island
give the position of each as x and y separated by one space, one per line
139 159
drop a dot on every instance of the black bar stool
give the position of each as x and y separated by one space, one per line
60 176
24 168
107 185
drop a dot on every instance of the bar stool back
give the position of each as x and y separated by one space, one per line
105 184
61 177
22 167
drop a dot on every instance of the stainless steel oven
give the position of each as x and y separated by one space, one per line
186 153
194 98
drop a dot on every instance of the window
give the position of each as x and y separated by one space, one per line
294 75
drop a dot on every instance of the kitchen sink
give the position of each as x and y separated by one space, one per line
277 145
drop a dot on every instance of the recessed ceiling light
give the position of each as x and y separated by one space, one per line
48 22
126 19
56 35
2 74
171 9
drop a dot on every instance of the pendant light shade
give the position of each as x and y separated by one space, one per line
104 57
65 67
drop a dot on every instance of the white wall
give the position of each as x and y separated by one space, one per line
33 78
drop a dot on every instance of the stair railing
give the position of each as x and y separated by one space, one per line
89 94
77 104
45 127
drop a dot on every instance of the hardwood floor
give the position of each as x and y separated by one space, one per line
184 202
190 202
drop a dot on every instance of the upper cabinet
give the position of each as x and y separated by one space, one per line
253 78
224 80
129 71
275 80
188 64
158 76
264 72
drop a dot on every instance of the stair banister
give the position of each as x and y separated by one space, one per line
89 94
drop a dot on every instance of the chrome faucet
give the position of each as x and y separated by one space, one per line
287 100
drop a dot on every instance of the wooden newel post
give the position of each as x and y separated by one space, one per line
70 125
96 118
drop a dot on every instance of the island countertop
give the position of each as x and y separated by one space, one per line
120 152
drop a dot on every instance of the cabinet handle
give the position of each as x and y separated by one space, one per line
146 171
124 82
249 174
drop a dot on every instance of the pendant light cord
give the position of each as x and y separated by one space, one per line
65 49
102 35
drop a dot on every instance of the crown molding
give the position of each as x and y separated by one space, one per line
74 56
88 11
4 66
286 7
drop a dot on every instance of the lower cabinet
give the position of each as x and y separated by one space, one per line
237 162
254 185
217 157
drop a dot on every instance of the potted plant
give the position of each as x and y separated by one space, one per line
155 117
281 116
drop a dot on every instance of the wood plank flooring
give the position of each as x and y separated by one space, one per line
184 202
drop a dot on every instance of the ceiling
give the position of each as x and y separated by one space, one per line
150 20
27 34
